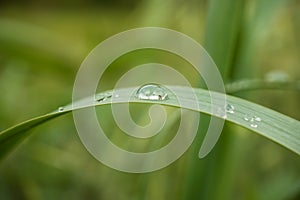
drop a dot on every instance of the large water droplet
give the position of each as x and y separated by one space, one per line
229 108
60 109
152 92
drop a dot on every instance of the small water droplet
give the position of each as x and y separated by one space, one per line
151 92
254 125
258 119
247 117
60 109
229 108
117 96
253 120
103 96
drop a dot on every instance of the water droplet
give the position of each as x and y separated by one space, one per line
60 109
254 125
258 119
117 96
246 117
103 96
229 108
152 92
253 120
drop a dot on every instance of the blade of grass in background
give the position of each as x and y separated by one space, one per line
254 27
258 15
223 25
258 84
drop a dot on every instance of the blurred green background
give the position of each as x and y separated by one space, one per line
42 44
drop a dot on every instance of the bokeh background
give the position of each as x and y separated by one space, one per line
42 44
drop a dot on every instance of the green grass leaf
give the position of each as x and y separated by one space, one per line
277 127
259 84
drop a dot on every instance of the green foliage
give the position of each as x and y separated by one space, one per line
41 49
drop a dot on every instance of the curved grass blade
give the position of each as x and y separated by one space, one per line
275 126
258 84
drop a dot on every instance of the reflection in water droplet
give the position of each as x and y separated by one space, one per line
60 109
254 120
103 97
152 92
229 108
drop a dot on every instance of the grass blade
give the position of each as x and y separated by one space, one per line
273 125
